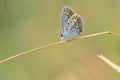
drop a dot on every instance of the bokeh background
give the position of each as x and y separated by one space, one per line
27 24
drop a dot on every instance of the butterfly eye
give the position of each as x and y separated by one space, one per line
61 35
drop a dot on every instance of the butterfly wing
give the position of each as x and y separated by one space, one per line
75 24
71 24
67 12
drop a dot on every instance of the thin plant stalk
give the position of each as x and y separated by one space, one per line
110 63
55 44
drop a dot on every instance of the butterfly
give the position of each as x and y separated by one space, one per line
71 24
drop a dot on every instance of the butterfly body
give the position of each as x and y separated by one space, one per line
71 24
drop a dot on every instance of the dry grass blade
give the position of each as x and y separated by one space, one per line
110 63
54 44
116 34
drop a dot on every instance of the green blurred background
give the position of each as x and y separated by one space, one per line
27 24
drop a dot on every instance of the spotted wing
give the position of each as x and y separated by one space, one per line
67 12
75 24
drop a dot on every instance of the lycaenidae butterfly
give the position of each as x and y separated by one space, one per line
71 24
